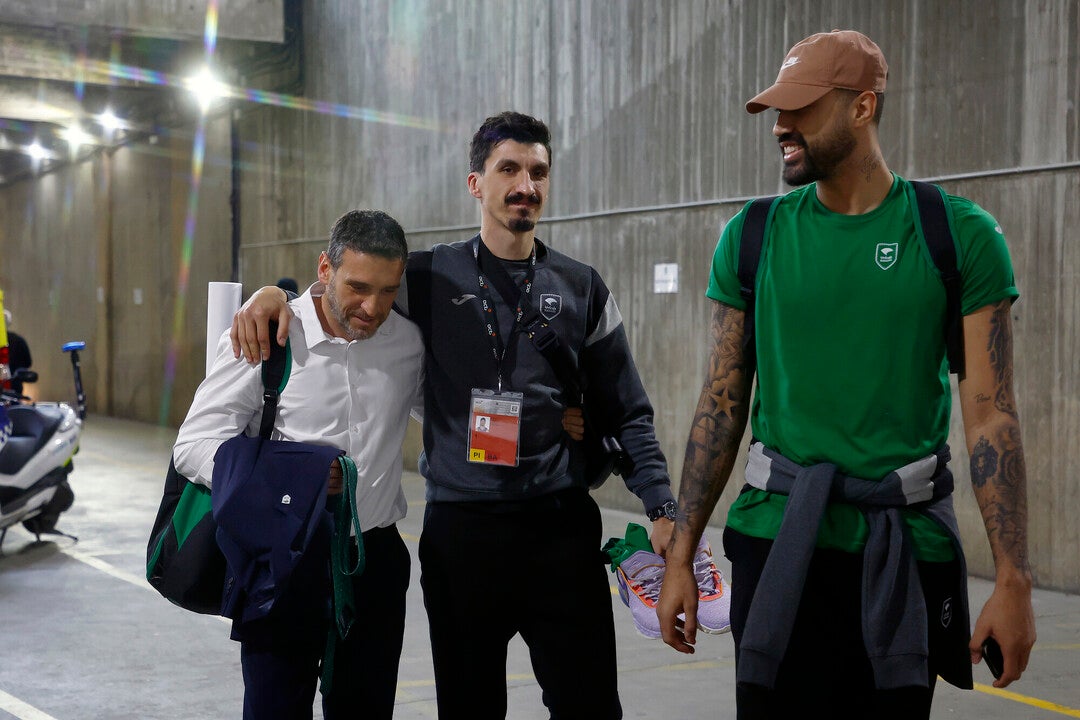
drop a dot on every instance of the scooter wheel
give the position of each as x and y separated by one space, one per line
45 522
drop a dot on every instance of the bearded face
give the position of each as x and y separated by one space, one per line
359 293
816 159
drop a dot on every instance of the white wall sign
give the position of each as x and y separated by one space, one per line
666 278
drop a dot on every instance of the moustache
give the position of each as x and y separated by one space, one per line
531 199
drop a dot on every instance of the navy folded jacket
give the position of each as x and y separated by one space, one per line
269 501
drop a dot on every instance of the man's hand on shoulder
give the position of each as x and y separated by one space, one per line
250 332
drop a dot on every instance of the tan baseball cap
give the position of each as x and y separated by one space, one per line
814 66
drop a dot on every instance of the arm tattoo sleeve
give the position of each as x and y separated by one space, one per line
1000 348
997 457
719 420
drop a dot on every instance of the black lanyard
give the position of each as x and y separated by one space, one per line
503 283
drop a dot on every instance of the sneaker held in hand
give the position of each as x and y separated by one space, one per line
714 593
640 577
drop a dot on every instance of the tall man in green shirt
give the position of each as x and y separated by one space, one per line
864 602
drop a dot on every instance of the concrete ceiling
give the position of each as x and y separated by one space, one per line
64 62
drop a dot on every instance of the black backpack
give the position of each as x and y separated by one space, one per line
936 234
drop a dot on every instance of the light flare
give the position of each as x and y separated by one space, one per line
98 70
187 247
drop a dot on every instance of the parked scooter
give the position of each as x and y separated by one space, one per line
37 458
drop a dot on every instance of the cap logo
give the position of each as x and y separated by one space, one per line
789 62
885 255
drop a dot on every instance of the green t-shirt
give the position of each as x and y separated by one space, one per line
850 344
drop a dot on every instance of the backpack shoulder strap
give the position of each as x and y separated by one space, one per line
939 242
275 374
750 244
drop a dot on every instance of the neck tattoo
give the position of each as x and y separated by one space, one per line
869 165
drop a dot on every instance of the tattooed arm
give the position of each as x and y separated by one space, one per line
718 426
998 475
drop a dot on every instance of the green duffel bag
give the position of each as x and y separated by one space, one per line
183 561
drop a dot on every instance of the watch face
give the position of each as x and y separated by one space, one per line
667 510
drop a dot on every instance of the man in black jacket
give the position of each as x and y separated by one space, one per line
511 534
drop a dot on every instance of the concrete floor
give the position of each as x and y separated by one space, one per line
83 636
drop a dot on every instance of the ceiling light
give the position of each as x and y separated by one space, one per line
109 121
36 151
74 136
206 88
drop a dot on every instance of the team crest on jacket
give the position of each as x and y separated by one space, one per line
885 255
550 305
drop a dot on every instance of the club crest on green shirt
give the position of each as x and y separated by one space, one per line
885 255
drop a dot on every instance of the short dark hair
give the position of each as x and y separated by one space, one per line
848 96
506 126
367 231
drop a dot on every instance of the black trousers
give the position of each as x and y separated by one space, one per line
280 655
826 668
534 568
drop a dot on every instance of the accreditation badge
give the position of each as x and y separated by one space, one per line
494 427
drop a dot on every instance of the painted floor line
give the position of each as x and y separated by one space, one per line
14 706
99 564
1025 700
136 580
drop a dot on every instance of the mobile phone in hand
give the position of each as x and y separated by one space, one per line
991 652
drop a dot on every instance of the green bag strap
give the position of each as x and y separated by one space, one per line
343 540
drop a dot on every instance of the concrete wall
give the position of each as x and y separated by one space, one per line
653 153
99 252
244 19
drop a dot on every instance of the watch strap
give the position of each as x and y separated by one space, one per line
668 510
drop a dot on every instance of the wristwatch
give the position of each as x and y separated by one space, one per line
667 510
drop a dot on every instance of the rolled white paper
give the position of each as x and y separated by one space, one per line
222 302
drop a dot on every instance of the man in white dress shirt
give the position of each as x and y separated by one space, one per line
356 373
